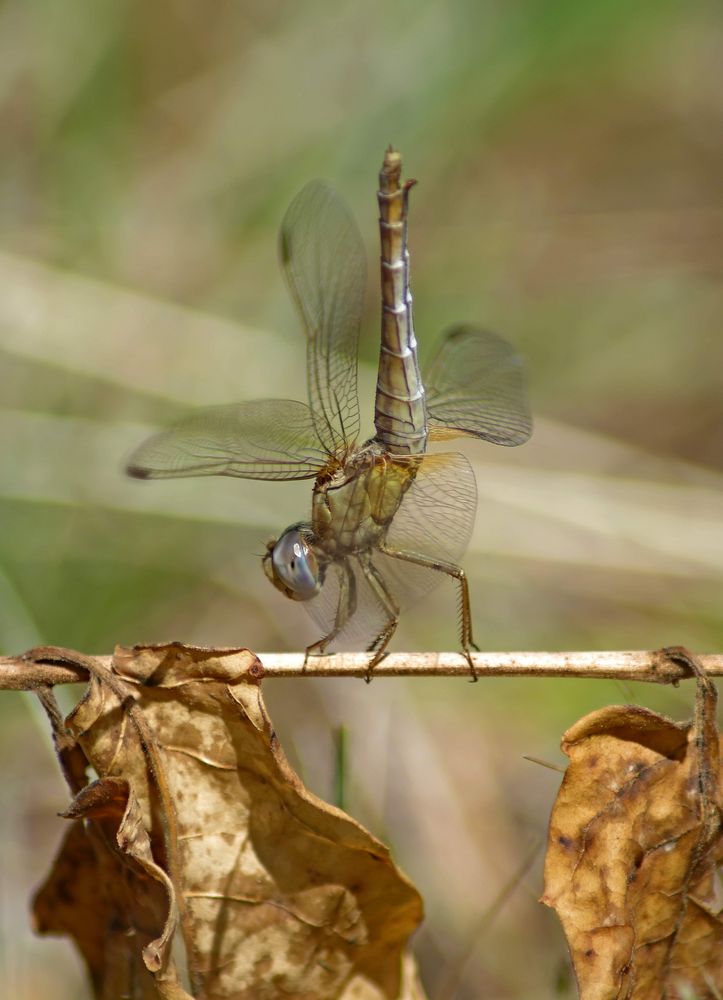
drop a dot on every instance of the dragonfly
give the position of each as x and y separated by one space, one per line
389 519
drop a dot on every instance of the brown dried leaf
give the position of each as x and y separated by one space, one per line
634 844
105 891
278 893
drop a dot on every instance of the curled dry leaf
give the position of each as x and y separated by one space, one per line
106 892
633 851
197 816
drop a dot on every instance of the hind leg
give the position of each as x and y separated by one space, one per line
457 573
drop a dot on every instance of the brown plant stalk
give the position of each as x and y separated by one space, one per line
53 665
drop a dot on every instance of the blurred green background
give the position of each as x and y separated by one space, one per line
569 158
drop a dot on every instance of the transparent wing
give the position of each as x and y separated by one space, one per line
265 439
434 520
475 387
363 626
323 258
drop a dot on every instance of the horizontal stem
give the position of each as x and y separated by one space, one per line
632 665
58 666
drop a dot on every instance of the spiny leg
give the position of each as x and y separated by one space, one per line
451 569
389 605
345 608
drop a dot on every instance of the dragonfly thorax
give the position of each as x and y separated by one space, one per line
291 564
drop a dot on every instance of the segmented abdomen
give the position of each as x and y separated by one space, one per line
400 415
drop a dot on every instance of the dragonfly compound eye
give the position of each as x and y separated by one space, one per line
295 567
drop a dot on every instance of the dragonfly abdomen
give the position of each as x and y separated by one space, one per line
400 414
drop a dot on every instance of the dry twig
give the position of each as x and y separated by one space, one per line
51 665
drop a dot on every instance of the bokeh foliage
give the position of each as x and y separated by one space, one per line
569 157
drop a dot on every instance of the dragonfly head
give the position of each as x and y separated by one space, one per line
291 564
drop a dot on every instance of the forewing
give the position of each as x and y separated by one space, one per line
435 521
475 387
263 439
322 254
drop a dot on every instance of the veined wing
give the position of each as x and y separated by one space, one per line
434 520
475 387
262 439
322 254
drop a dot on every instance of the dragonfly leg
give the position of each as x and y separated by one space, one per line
451 569
389 605
344 610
